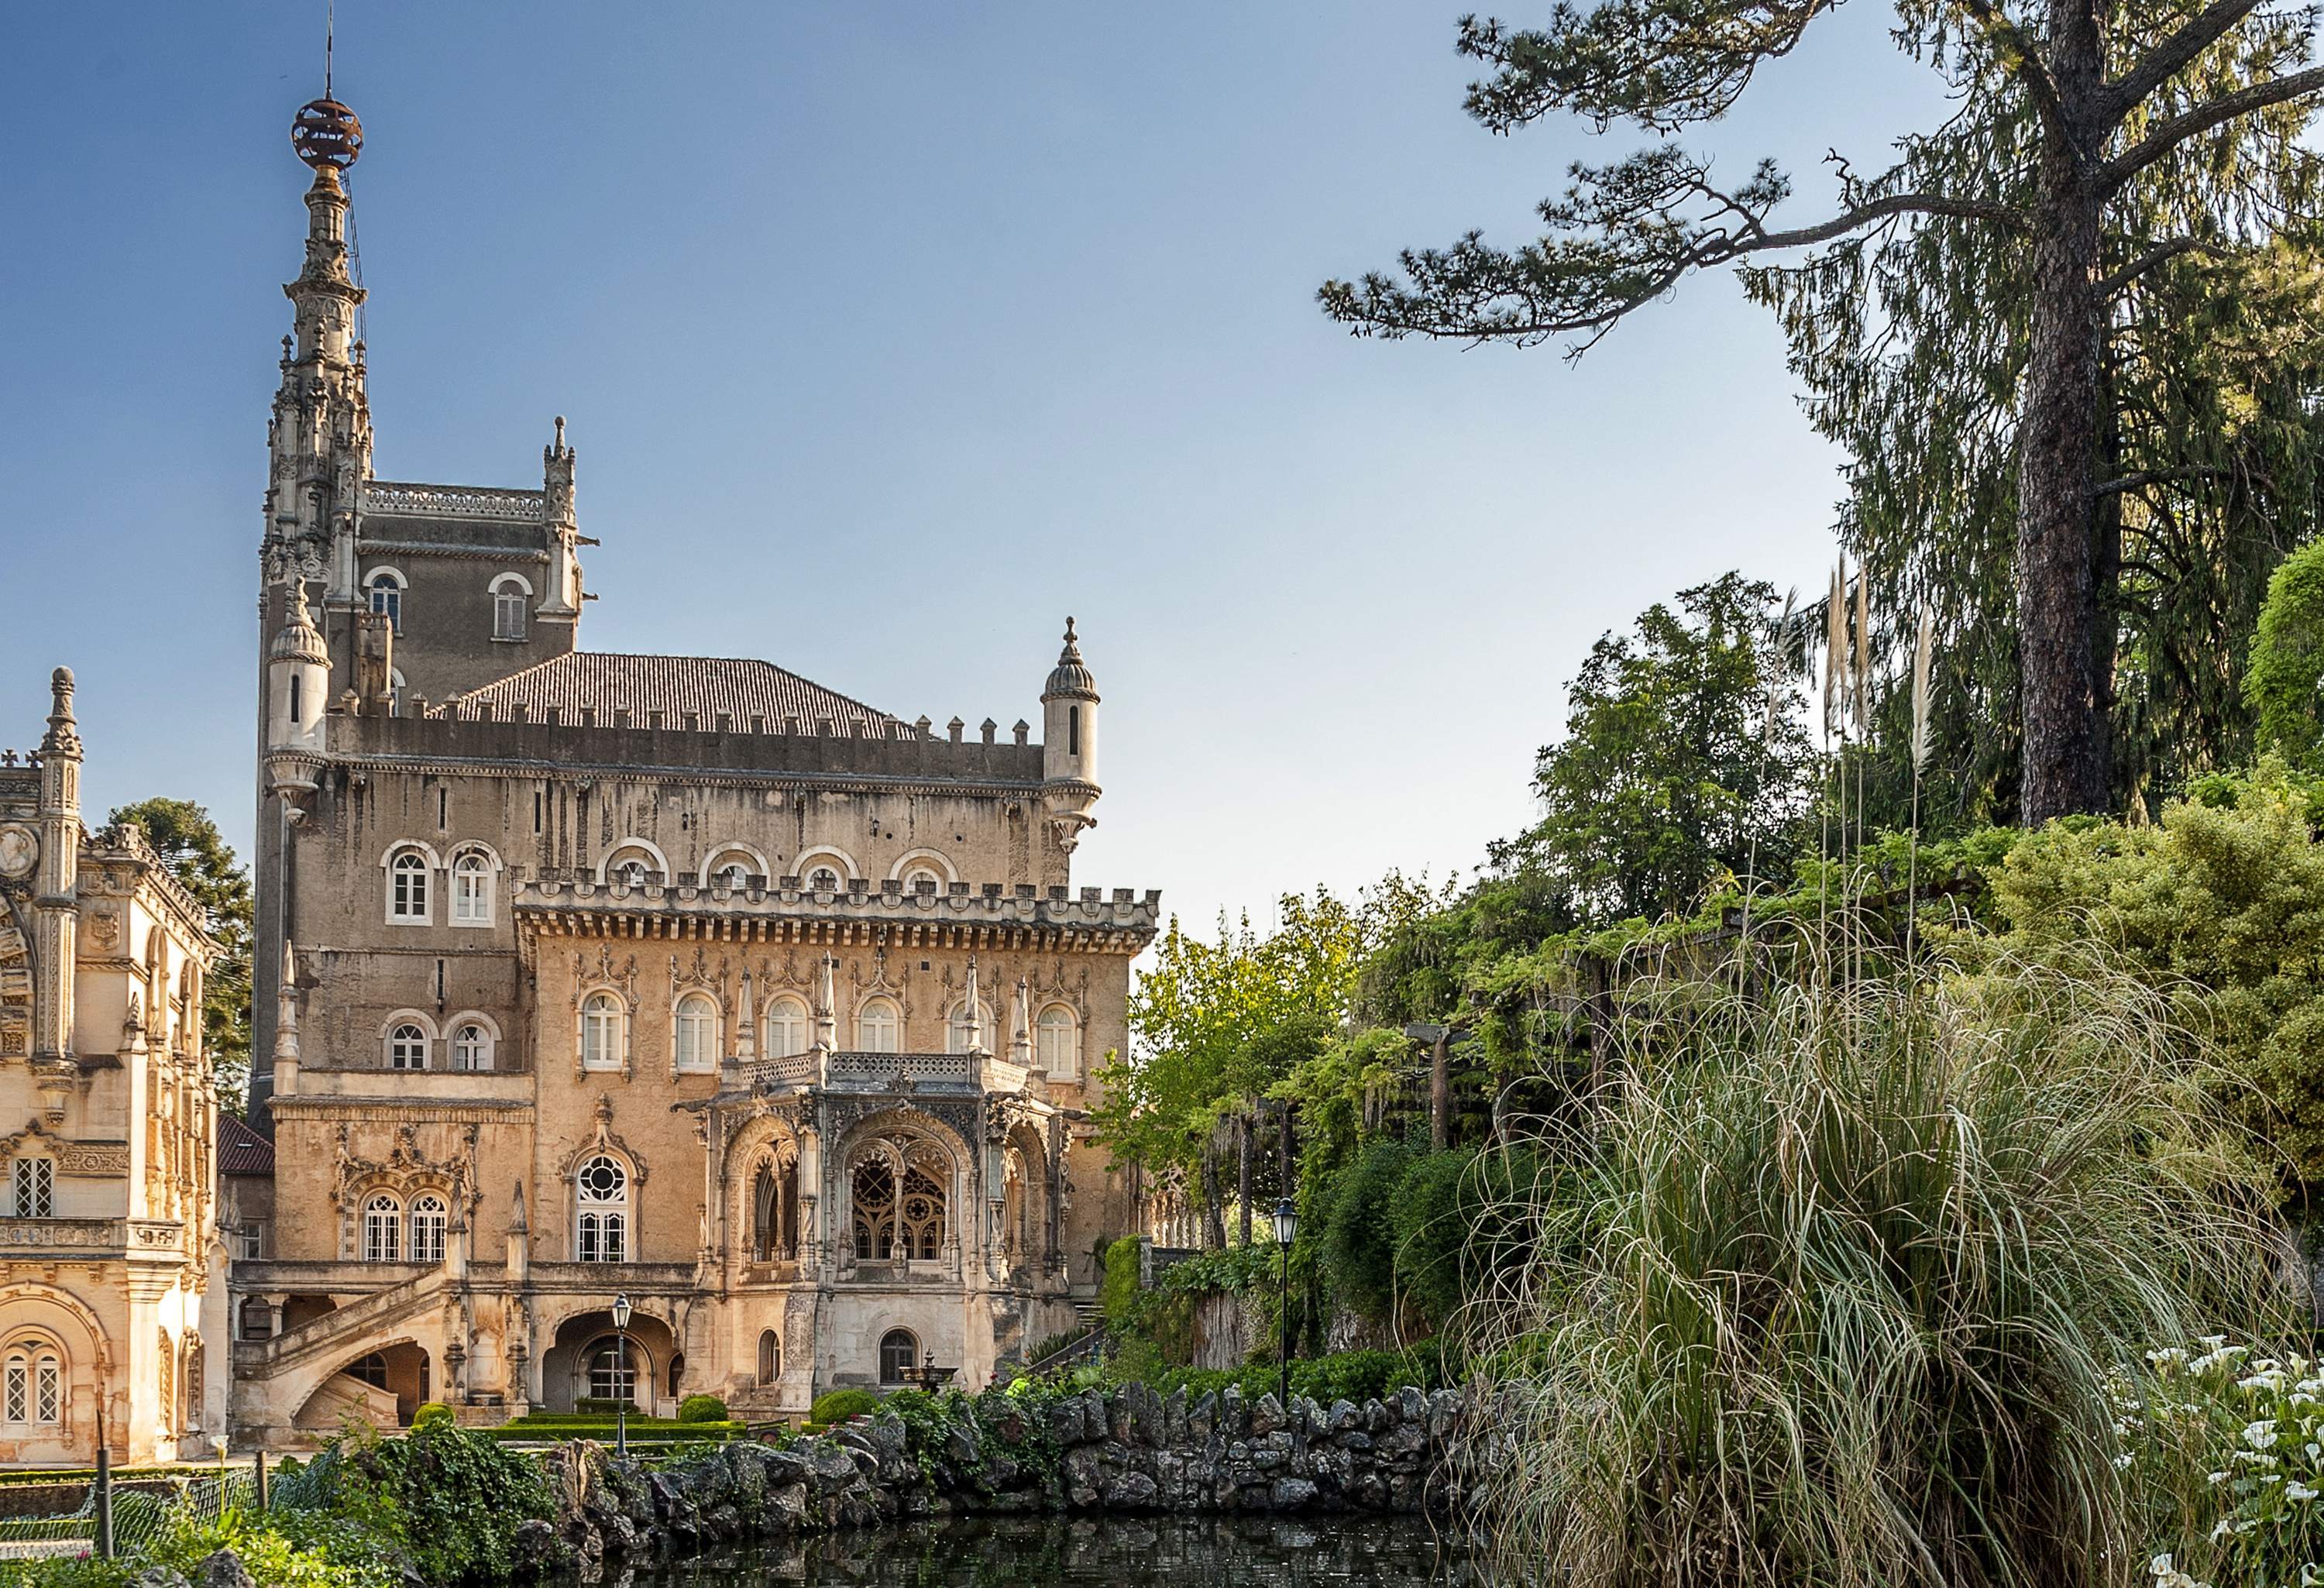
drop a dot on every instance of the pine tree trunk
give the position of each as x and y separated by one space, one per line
2064 769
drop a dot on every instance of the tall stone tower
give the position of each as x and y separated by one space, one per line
318 455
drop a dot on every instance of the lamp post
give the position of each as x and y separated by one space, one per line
622 1378
1286 1230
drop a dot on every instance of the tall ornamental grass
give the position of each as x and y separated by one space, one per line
1838 1283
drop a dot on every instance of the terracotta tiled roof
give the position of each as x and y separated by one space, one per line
242 1151
673 686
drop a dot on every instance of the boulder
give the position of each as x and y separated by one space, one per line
1291 1494
224 1570
1066 1428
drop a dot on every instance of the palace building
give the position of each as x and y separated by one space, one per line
678 978
113 1297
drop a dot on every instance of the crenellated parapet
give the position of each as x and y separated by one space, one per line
1086 920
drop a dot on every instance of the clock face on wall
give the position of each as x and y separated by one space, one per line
18 849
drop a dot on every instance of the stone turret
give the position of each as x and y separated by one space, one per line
1069 786
56 899
298 694
563 603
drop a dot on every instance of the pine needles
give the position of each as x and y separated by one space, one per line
1832 1288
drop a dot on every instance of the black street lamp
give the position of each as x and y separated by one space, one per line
622 1376
1286 1230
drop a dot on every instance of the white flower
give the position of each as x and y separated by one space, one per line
2296 1490
2260 1436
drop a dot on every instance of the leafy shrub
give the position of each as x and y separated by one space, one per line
702 1408
1118 1292
1846 1277
1358 1243
2246 1433
837 1405
430 1413
605 1406
2287 656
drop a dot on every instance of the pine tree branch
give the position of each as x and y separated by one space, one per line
2172 57
2161 254
2156 476
2171 134
2024 56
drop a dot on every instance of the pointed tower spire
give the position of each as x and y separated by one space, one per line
1020 1028
974 1011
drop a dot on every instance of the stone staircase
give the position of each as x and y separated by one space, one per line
322 1336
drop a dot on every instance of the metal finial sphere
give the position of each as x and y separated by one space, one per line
327 133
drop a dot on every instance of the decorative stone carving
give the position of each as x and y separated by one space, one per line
20 851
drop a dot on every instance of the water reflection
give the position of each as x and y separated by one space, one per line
1118 1552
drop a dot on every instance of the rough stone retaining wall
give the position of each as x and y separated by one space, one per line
1127 1451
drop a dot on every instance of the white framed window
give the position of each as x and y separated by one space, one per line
472 1047
733 876
386 590
510 593
601 1032
920 878
382 1230
601 1201
613 1371
35 1186
16 1405
428 1222
48 1389
407 889
823 880
1057 1041
958 1030
472 890
787 1027
407 1046
879 1027
696 1033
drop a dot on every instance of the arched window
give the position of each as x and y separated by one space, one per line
824 880
733 876
387 595
697 1025
407 1047
382 1230
878 1026
16 1402
787 1027
771 1356
33 1384
35 1184
428 1230
630 874
407 888
472 1048
899 1357
959 1030
614 1366
899 1223
774 1212
921 880
509 594
600 1196
472 890
1057 1041
601 1032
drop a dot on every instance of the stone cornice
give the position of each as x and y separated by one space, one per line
403 1111
534 770
545 909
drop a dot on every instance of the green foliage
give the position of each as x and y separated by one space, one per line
837 1405
2245 1432
430 1413
1347 1375
1118 1290
188 842
1846 1277
702 1408
1683 767
1359 1246
449 1497
2216 905
2287 659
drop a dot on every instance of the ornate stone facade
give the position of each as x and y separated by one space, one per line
112 1277
678 978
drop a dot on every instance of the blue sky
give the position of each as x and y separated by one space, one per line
889 334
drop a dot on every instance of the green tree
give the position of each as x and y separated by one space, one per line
2092 147
2287 658
1683 766
188 842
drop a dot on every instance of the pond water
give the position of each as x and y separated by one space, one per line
1115 1552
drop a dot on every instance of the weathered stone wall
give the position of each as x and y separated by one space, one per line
1130 1450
